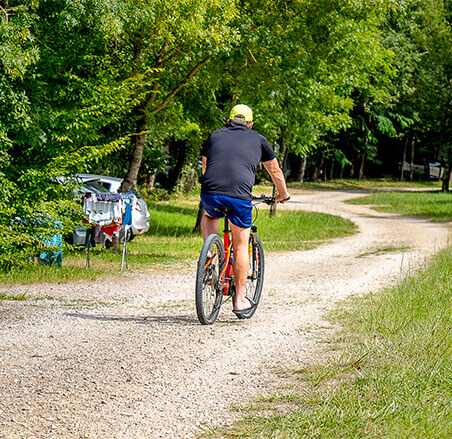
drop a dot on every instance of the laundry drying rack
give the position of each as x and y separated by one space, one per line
107 215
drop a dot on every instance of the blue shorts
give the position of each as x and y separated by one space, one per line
241 209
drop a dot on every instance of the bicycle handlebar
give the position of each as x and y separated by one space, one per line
263 199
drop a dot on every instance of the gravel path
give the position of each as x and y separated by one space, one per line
128 359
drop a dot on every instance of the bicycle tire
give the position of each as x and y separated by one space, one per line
208 294
254 284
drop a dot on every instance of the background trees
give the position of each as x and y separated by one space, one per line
128 87
412 121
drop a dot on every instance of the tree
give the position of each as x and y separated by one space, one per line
47 123
164 44
302 63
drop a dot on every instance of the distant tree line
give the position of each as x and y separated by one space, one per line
132 88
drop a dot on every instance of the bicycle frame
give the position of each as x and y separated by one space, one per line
227 273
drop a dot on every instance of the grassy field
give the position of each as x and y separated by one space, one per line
367 184
171 242
430 204
390 372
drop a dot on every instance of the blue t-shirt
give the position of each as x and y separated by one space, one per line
233 154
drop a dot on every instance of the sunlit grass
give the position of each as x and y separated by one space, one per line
367 184
72 269
431 204
298 230
18 297
392 381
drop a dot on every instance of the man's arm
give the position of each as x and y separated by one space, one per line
204 164
278 179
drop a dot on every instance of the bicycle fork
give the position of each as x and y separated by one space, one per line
254 252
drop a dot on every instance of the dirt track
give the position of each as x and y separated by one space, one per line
128 359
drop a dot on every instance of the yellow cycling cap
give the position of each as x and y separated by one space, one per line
241 113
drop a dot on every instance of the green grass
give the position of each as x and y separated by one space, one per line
393 380
365 184
18 297
170 242
383 250
431 204
298 230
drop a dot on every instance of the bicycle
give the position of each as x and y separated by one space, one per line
215 283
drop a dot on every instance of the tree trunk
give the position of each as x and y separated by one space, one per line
273 206
405 147
325 170
197 228
412 160
190 181
178 152
283 163
147 108
447 172
318 170
315 172
361 167
137 156
446 180
366 146
302 169
150 182
331 176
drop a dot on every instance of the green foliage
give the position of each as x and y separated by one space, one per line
82 81
17 47
407 96
302 61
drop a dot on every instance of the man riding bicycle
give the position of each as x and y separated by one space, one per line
230 160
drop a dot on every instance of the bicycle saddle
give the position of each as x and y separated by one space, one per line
224 210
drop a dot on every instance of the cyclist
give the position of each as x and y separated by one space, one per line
230 159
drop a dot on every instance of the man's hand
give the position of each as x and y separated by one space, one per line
281 198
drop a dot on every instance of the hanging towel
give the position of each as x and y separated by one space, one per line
107 196
127 217
102 212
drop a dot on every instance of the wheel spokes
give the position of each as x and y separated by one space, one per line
211 278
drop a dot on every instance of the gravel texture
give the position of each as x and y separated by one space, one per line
127 358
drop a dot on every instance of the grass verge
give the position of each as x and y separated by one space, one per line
431 204
171 242
393 379
366 184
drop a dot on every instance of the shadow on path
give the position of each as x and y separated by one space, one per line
180 319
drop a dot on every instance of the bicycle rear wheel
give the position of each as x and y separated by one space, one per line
255 279
208 295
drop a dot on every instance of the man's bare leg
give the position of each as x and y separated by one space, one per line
209 225
240 238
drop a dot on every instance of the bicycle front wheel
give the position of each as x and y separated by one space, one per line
255 279
209 293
